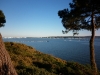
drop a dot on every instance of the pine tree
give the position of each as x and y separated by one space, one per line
2 19
6 67
83 15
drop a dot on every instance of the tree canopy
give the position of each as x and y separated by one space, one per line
79 15
2 19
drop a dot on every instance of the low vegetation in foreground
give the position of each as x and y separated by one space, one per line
28 61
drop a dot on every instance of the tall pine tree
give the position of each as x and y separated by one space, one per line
83 15
6 67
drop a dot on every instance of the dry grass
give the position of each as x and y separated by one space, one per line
29 61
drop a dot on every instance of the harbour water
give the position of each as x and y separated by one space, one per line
65 48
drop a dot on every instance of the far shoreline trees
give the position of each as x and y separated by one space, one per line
83 15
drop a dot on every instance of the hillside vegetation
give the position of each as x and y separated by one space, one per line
28 61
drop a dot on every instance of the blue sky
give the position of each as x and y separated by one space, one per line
34 18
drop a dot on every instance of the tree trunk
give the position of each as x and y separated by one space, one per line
6 67
92 53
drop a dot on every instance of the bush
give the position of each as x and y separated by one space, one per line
29 61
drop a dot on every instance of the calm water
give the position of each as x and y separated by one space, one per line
67 49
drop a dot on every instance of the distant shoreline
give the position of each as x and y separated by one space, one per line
57 37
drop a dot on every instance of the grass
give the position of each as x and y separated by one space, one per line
29 61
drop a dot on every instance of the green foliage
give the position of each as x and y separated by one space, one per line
29 61
80 15
2 18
